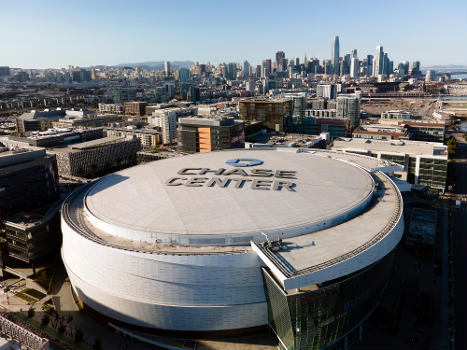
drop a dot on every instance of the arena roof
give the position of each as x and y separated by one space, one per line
140 204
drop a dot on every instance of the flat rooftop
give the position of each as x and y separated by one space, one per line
88 145
406 147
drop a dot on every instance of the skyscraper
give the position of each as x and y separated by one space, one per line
354 65
378 62
416 68
266 68
280 55
370 64
246 69
335 55
167 68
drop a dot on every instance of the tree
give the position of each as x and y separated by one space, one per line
452 145
31 312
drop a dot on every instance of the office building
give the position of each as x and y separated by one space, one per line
424 163
28 177
335 55
167 119
246 70
198 244
430 75
182 75
378 62
395 116
167 70
197 134
122 95
354 67
423 131
194 94
4 71
315 125
349 107
270 112
280 60
381 132
416 68
326 91
135 108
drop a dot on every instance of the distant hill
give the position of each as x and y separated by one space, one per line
447 66
157 65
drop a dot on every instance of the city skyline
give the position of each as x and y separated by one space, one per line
65 34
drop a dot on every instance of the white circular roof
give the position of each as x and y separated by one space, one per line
153 203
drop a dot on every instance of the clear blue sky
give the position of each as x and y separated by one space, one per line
40 34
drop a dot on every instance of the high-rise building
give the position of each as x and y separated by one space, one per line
416 68
370 64
4 71
167 68
430 75
353 53
246 69
280 56
403 68
349 107
194 94
335 55
231 71
182 74
378 62
326 91
354 66
266 68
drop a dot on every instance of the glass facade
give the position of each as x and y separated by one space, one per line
320 316
433 172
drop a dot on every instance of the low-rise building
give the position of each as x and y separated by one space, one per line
31 235
196 134
270 112
321 113
135 108
381 132
424 163
309 125
423 131
60 136
116 108
87 122
97 157
148 137
395 116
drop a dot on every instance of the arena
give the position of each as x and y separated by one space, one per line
299 240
